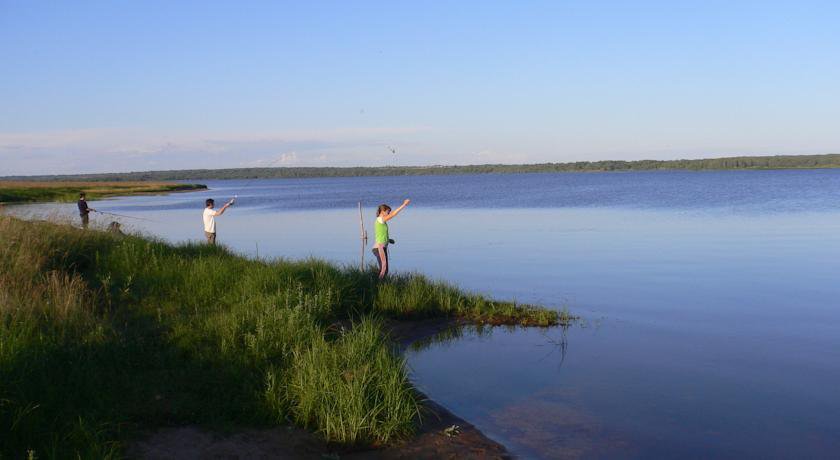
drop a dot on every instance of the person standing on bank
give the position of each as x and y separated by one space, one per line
84 210
210 219
380 249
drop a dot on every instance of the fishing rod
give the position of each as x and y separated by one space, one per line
231 202
123 215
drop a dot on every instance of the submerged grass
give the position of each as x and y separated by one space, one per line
101 335
32 191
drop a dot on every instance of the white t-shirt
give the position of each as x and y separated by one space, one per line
209 220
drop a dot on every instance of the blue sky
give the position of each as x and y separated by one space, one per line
119 86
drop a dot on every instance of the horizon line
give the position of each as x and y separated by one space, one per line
431 166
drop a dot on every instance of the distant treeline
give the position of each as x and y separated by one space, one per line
762 162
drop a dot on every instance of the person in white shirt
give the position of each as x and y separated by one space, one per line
210 218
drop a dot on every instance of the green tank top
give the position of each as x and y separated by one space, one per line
381 232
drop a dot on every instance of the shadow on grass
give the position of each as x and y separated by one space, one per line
66 399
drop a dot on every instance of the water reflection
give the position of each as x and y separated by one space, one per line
556 345
555 337
450 335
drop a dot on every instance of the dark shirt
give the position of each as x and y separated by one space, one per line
83 208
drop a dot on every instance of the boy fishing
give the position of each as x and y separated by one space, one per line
210 218
84 210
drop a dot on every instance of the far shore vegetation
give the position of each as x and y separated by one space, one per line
38 191
728 163
104 336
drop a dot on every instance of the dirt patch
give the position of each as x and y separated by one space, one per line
192 443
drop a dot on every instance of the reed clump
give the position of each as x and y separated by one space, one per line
102 335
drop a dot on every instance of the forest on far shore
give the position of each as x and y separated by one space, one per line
745 162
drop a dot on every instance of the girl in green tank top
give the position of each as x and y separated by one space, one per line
380 247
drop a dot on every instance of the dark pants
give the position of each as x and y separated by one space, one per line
85 220
379 260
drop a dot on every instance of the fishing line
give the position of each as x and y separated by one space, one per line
123 215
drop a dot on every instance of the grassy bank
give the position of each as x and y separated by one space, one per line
32 191
102 335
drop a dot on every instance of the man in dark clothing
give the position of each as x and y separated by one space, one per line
84 210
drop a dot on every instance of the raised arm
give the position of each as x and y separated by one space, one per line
391 215
222 209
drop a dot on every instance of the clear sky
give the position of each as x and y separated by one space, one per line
119 85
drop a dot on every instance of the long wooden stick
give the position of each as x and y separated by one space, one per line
362 223
363 238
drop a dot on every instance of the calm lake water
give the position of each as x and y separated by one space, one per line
710 301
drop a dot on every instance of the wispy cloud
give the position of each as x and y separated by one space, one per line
282 159
101 150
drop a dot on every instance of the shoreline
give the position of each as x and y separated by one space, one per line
291 441
320 341
429 441
471 441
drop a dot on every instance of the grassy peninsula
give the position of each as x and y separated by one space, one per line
35 191
706 164
102 335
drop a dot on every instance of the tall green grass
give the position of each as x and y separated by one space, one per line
102 335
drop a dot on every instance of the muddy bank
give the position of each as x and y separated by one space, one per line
287 442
